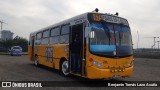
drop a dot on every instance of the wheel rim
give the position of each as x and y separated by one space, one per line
36 61
65 68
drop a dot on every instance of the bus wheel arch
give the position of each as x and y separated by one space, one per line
64 66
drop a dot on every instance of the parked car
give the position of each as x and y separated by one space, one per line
15 50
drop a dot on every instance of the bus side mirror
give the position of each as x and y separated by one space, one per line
92 34
87 31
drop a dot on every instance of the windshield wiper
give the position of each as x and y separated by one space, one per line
120 37
106 30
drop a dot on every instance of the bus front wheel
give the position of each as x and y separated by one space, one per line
36 61
65 68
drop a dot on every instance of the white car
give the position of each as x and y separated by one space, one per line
16 50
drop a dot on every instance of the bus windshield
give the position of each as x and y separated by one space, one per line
110 40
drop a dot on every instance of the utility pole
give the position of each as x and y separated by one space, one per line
137 39
154 40
2 26
158 44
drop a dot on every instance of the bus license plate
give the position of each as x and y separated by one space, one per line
116 76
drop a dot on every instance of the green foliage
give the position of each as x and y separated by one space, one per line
17 41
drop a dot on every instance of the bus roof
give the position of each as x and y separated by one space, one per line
84 15
75 18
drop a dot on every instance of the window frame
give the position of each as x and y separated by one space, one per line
55 36
37 35
54 28
46 31
62 27
65 33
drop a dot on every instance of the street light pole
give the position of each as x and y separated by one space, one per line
158 44
153 46
137 39
155 41
1 25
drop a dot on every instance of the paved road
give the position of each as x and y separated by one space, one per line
18 68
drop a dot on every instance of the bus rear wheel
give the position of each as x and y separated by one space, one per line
65 68
36 61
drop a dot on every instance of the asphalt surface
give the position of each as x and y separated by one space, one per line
18 68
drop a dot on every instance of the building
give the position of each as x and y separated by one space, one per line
6 35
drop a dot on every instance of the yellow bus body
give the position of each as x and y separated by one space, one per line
59 52
110 66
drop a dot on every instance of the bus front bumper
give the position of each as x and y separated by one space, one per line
97 73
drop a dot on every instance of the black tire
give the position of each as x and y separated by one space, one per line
36 61
64 68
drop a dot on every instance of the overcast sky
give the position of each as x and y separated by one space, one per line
25 16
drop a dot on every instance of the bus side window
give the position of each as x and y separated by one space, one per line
38 38
45 39
55 32
64 38
39 35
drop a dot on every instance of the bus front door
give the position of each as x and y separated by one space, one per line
76 49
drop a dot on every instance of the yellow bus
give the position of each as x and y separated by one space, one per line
105 50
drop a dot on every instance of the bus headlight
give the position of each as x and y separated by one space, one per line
129 65
99 65
95 62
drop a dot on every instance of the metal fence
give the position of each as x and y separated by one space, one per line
147 53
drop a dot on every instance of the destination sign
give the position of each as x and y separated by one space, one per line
108 18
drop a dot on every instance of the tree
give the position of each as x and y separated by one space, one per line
17 41
22 42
